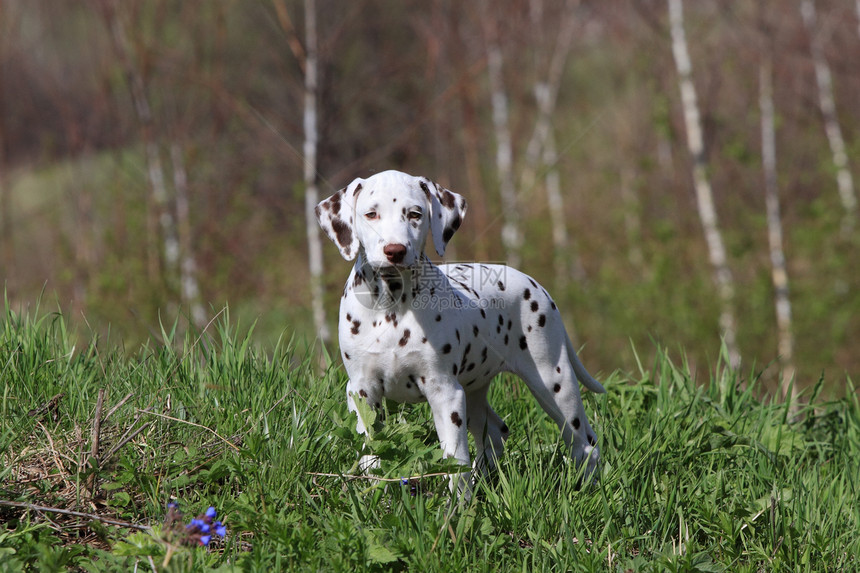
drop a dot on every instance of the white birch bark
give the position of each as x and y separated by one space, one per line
827 104
704 194
779 272
189 285
511 233
315 256
155 171
541 153
7 247
857 7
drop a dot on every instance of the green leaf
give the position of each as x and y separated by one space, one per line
380 554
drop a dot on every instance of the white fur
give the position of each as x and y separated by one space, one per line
411 331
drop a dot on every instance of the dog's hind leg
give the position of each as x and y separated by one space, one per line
488 430
556 389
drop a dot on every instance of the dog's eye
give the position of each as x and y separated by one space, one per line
370 215
414 215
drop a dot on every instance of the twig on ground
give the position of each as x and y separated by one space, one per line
108 520
165 416
48 407
126 439
377 478
96 436
119 405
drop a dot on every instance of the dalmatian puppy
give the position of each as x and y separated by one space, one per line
412 331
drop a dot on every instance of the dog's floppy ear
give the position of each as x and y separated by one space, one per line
336 215
447 210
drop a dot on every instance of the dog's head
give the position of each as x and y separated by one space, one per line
389 216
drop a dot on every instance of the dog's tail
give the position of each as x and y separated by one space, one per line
581 373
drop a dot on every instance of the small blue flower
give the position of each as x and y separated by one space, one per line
211 513
404 481
204 540
220 529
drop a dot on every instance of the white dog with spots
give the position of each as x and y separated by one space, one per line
411 331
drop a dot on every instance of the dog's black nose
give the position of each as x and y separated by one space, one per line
395 252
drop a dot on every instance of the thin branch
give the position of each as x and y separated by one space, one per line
377 478
96 436
217 435
108 520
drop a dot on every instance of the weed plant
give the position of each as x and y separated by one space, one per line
697 475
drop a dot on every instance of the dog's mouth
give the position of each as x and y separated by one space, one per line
390 271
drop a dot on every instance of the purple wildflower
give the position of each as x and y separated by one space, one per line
198 531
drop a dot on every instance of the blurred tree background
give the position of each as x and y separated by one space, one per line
151 162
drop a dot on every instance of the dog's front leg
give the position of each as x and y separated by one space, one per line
447 400
371 394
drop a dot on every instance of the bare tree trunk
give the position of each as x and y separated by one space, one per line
704 195
315 257
7 246
541 152
632 223
511 233
779 272
857 7
471 140
189 285
827 104
155 171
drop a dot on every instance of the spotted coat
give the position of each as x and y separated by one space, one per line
413 331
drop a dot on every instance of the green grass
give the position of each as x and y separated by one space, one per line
693 479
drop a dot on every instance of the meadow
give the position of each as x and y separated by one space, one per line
697 474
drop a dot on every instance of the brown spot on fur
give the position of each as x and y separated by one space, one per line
455 417
343 232
447 199
405 338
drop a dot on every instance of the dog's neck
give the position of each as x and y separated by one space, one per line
388 287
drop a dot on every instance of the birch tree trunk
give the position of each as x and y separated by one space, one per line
7 247
857 7
779 272
315 257
511 233
189 285
155 171
827 104
704 194
471 139
632 222
541 153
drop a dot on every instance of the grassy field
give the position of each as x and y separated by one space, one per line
696 475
